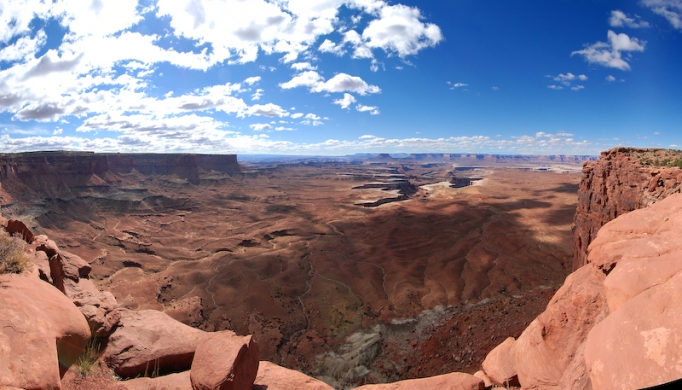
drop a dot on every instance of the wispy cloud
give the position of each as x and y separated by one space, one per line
610 54
669 9
620 19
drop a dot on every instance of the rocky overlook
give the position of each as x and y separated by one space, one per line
622 180
614 322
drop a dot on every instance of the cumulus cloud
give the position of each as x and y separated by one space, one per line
669 9
398 29
260 126
101 75
610 78
257 95
270 110
312 120
301 66
610 54
341 82
346 101
620 19
373 110
252 80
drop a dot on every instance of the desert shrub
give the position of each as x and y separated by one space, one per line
89 357
12 260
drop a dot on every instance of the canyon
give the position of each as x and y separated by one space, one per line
367 269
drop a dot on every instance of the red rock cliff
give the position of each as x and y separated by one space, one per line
622 180
59 173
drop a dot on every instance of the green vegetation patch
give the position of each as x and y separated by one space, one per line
658 158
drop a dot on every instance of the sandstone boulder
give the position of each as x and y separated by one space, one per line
100 311
273 377
638 345
41 333
19 228
484 377
225 361
550 343
178 381
148 342
500 366
452 381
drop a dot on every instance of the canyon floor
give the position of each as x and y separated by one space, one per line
405 277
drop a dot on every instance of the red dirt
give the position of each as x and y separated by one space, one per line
284 253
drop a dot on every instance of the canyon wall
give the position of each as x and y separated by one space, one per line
57 173
622 180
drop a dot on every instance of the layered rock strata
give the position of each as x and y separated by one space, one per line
622 180
60 173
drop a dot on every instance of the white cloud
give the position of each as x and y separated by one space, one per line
399 29
252 80
330 47
260 126
269 110
346 101
301 66
306 79
555 87
373 110
610 78
57 131
260 143
341 82
257 95
620 19
496 88
458 85
669 9
297 115
569 77
24 48
609 54
577 87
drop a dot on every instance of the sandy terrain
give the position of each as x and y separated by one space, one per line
294 255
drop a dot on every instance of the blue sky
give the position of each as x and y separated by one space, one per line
335 77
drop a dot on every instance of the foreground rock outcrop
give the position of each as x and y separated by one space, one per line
452 381
617 321
41 333
149 341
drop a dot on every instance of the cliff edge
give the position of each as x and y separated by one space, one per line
622 180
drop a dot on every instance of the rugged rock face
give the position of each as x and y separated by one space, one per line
41 333
615 323
149 341
51 174
622 180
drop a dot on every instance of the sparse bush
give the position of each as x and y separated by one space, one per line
12 260
89 357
